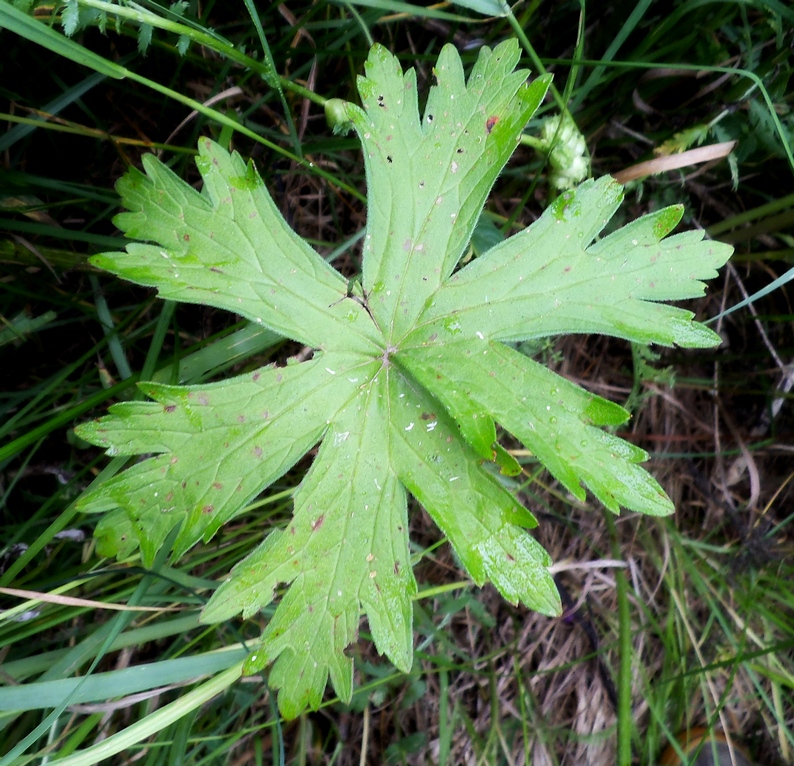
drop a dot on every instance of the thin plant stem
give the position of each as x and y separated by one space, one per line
210 41
536 62
623 755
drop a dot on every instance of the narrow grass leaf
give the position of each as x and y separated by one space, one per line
13 19
104 687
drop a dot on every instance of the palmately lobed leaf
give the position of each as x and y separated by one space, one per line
410 375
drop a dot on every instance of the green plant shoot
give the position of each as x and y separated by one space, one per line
411 370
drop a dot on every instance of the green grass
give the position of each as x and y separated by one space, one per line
701 629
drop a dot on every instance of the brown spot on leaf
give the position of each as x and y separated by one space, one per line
318 522
208 508
170 408
489 124
217 485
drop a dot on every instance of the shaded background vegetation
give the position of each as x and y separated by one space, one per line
704 622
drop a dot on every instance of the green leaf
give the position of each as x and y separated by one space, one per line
551 416
70 18
345 548
446 163
13 19
20 326
144 38
483 521
554 278
496 8
410 374
229 247
216 445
